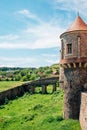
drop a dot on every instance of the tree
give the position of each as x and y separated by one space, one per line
18 77
33 77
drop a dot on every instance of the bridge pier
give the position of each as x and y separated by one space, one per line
54 88
44 89
32 89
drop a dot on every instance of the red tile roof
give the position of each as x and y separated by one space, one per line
78 24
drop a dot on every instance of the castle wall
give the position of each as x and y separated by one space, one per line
10 94
28 87
75 81
83 111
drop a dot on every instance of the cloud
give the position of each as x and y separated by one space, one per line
21 62
26 61
50 55
46 35
40 36
52 61
27 13
51 58
75 6
9 37
7 45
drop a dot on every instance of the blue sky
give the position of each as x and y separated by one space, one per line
30 30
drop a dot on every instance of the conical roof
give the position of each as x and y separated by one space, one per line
78 24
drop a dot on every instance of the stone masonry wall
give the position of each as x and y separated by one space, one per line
75 81
79 46
27 87
83 111
13 93
72 37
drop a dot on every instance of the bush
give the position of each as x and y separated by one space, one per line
59 118
38 106
2 107
28 117
50 119
18 77
7 79
6 100
33 77
57 84
24 78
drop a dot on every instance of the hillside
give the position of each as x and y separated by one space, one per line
36 112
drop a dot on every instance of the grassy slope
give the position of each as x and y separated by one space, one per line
4 85
36 112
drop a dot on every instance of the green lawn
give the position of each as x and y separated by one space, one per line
36 112
4 85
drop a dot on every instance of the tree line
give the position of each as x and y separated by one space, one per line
28 74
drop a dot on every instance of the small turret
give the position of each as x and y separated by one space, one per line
74 44
73 62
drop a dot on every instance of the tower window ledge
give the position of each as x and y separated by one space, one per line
68 55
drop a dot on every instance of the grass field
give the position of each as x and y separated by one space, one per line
36 112
4 85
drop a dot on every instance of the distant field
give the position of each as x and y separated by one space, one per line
36 112
4 85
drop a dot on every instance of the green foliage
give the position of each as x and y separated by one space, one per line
2 107
18 77
4 85
59 118
6 100
57 84
50 119
36 112
28 117
27 74
33 77
37 107
24 78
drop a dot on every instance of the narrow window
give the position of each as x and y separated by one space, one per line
79 40
69 48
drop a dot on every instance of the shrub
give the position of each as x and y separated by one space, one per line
24 78
38 106
28 117
59 118
2 107
7 79
50 119
6 100
57 84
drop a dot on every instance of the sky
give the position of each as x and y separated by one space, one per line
30 30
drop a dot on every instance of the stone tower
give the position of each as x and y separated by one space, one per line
73 70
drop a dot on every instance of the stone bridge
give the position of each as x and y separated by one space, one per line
12 93
42 83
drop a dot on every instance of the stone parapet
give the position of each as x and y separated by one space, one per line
28 87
